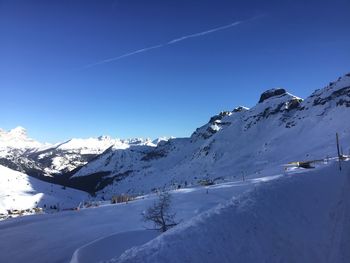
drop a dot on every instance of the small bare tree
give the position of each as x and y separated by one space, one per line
159 213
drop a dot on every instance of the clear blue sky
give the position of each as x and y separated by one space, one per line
45 47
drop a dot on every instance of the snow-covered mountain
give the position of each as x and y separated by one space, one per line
15 146
54 162
281 128
17 138
74 153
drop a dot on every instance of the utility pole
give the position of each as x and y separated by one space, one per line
243 176
338 149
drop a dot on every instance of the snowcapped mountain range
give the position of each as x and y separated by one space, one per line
23 161
281 128
52 162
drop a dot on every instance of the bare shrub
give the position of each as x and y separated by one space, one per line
159 213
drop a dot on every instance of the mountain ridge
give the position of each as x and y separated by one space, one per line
226 145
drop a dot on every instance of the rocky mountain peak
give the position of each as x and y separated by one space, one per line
104 138
271 93
240 109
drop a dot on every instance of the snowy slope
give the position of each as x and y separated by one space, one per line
19 191
275 213
55 237
281 128
298 218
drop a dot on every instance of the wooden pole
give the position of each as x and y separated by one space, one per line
338 149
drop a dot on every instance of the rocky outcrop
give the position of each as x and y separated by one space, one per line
271 93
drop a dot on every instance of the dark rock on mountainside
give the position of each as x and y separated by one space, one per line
271 93
344 92
219 116
294 104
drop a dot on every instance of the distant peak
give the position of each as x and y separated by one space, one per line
271 93
19 129
104 137
18 132
162 140
240 109
17 138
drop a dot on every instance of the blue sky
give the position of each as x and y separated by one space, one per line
45 47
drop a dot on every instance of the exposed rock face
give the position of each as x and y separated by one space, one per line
219 116
213 126
344 93
271 93
240 109
294 104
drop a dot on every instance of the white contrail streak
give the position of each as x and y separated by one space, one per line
203 33
123 56
174 41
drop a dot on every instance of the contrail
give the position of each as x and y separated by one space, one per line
171 42
203 33
123 56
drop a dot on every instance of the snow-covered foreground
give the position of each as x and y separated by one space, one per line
20 191
303 217
295 217
55 237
